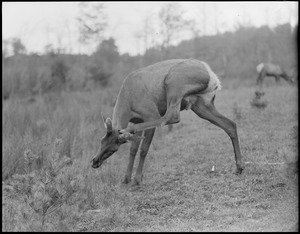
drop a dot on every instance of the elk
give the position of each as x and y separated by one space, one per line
154 96
269 69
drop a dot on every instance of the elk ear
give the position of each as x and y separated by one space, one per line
293 79
108 125
103 118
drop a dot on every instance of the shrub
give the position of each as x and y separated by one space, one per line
98 74
59 71
56 187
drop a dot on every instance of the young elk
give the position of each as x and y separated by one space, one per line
269 69
154 96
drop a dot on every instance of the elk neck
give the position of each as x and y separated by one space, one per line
121 113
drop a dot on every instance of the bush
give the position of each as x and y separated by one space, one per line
98 74
59 71
54 187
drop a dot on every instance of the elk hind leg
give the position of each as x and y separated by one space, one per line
206 110
172 115
174 98
260 80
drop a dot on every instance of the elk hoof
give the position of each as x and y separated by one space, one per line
163 124
239 170
259 93
126 180
137 182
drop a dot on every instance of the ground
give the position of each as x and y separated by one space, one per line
181 193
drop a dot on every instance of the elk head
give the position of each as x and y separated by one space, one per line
290 79
111 142
291 76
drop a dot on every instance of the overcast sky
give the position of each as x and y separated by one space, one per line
42 23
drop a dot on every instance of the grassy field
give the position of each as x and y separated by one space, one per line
45 191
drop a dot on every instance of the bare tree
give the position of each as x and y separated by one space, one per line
196 34
59 43
216 10
91 22
147 31
138 36
144 35
69 37
204 17
172 23
267 16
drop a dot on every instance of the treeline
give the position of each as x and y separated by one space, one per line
231 55
236 54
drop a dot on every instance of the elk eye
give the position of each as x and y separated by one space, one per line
121 141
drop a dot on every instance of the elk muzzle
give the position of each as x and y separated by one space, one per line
101 156
96 163
98 159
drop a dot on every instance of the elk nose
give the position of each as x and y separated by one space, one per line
95 163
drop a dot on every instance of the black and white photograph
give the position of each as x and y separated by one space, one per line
150 116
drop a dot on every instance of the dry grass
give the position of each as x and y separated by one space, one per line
179 191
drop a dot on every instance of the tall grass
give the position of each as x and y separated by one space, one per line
75 118
31 127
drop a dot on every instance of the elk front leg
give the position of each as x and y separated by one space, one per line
259 81
208 111
144 150
133 150
174 98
